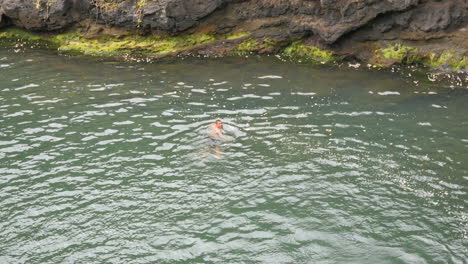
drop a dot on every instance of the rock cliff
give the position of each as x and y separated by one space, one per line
366 30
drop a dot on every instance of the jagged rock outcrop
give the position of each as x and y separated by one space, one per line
329 20
44 15
165 15
360 29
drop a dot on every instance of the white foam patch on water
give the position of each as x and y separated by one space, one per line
98 89
152 157
16 148
88 138
364 113
106 132
33 130
108 105
107 142
27 86
300 93
220 83
43 157
424 124
115 84
157 124
139 100
199 91
47 139
20 113
136 92
250 96
388 93
438 106
57 125
123 123
270 77
31 96
195 103
3 143
290 107
52 101
94 171
241 111
165 146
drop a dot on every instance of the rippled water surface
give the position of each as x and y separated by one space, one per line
109 162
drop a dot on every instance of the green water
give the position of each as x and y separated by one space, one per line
109 162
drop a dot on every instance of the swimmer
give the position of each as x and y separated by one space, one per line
216 129
216 135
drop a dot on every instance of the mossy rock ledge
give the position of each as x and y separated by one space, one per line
431 34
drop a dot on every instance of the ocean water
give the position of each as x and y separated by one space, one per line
106 161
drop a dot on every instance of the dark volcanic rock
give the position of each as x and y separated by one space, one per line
327 21
42 15
438 16
165 15
423 21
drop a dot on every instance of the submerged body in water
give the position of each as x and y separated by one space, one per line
216 129
216 137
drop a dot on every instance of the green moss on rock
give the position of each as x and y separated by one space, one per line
395 54
447 59
406 55
258 46
150 45
249 45
73 42
398 52
301 50
237 35
18 35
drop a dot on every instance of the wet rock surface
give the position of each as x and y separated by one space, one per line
329 20
333 24
44 15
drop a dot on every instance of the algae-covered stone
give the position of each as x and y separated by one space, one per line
406 55
394 54
259 46
300 50
74 42
447 59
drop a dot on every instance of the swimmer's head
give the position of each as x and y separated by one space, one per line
219 124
